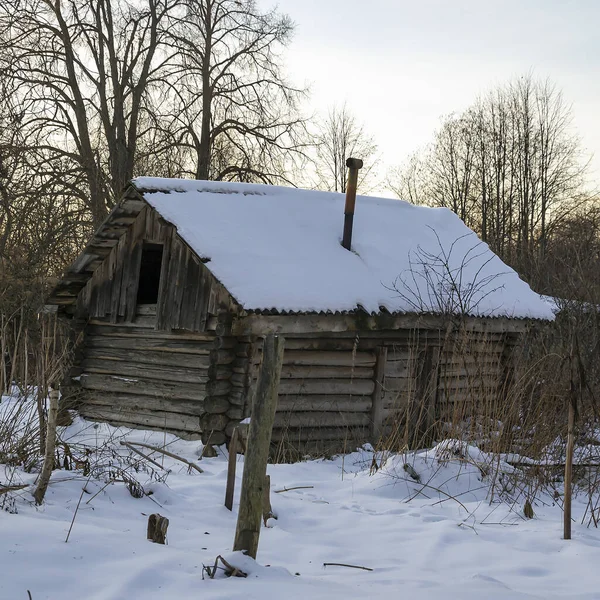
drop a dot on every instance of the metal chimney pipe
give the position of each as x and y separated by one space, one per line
353 164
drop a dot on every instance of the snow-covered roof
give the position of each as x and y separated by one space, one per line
279 248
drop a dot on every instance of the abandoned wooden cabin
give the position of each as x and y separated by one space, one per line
172 296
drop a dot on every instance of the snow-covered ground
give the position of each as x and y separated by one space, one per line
438 536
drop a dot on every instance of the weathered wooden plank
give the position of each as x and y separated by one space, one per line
129 330
142 387
330 403
167 268
172 345
178 283
378 393
324 386
398 368
321 419
150 357
326 358
345 435
157 419
134 403
360 322
327 343
325 372
399 384
144 371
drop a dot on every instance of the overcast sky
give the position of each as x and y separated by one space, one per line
402 64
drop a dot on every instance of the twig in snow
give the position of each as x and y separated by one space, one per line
165 452
298 487
29 595
349 566
77 508
5 489
138 452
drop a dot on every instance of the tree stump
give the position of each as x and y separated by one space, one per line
157 528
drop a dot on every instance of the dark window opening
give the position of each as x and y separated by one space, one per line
150 273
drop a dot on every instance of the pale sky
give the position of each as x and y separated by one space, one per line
402 64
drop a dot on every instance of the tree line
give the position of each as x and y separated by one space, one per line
512 168
96 92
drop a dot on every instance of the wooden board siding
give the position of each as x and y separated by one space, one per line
188 295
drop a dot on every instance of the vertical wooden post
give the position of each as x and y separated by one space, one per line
378 394
257 451
233 448
424 411
569 471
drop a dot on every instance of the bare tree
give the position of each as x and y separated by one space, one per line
510 167
340 136
88 70
237 115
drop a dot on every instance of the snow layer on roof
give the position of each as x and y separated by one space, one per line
279 248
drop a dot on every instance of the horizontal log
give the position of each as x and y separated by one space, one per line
142 387
362 322
324 403
144 371
214 422
218 387
224 343
359 387
97 327
326 358
327 343
222 357
150 357
134 403
320 419
171 346
325 372
157 419
235 412
220 372
345 435
217 404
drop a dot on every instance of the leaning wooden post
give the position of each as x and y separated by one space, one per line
257 450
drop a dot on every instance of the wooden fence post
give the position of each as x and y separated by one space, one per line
257 451
233 447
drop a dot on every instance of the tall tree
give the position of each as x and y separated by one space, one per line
89 70
238 116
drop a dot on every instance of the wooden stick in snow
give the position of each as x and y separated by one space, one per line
298 487
166 453
140 453
349 566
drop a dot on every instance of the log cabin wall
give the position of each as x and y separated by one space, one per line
341 390
160 365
